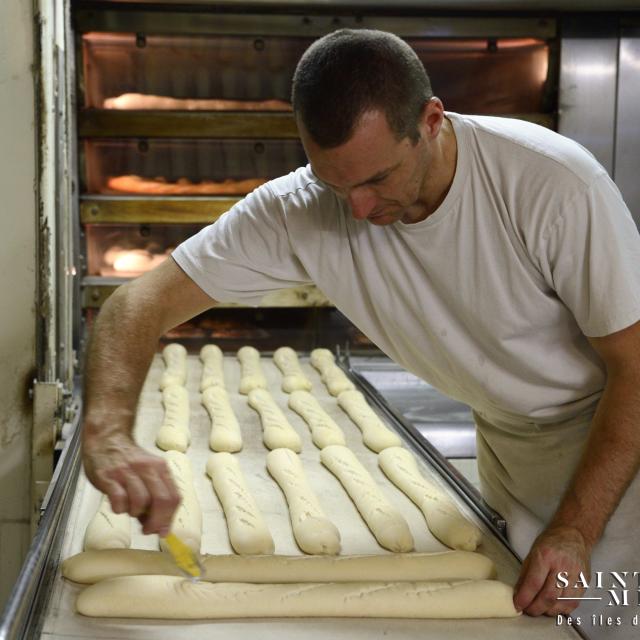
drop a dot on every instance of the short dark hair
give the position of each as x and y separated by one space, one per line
348 72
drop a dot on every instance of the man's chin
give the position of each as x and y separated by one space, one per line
385 218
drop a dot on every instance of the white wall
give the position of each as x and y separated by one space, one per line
17 281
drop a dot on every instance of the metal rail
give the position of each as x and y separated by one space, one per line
153 209
21 617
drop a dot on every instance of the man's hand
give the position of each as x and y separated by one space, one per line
557 549
135 481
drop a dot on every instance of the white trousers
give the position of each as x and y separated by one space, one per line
524 471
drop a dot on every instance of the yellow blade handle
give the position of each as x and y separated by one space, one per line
183 556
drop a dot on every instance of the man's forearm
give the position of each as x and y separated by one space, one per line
609 463
121 349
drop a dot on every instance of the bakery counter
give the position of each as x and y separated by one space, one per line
55 616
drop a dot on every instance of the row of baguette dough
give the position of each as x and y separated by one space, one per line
313 531
277 432
143 584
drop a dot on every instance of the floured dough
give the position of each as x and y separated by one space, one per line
108 530
170 597
442 516
276 430
248 532
324 431
212 369
93 566
385 522
331 374
187 520
251 376
313 531
286 360
174 433
318 356
175 360
374 432
225 430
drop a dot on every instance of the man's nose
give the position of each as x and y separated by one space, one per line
362 202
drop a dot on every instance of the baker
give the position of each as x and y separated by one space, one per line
491 257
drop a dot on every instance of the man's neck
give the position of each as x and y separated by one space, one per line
441 170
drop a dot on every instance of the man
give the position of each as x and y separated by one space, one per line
491 257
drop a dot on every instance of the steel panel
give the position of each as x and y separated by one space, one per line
627 147
588 76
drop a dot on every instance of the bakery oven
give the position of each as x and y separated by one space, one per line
157 116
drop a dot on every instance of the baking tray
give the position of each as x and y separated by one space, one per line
60 621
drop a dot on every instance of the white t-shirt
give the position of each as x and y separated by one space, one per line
488 299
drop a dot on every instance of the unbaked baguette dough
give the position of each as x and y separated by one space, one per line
331 374
175 360
318 357
170 598
276 430
251 376
324 431
375 434
313 531
286 360
442 516
225 430
187 520
174 434
248 532
385 522
212 369
93 566
108 530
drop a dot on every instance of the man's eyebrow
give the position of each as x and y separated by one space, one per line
378 176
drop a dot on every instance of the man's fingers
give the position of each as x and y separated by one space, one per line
139 497
532 578
547 597
164 501
116 493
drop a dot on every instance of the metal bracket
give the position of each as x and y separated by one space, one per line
47 420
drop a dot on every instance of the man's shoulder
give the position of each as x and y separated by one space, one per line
524 146
301 184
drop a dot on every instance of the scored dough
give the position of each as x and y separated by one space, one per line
225 430
385 522
187 520
313 531
175 360
324 431
212 370
251 376
375 434
170 597
174 433
443 518
248 532
93 566
331 374
107 530
293 379
276 430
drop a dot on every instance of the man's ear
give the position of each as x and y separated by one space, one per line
431 118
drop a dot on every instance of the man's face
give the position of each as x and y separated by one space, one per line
379 176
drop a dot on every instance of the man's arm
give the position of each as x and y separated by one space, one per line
610 462
124 339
